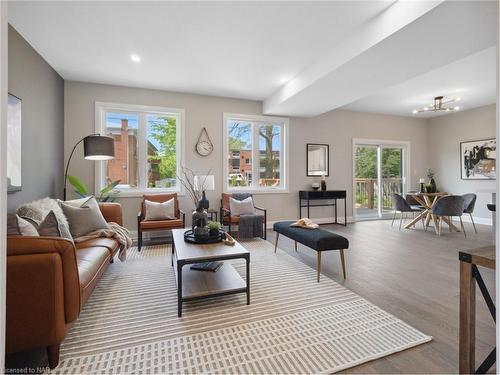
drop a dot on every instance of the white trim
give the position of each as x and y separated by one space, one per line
3 171
384 143
284 155
141 110
477 220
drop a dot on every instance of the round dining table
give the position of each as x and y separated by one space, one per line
427 201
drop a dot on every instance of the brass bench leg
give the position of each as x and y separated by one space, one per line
276 244
319 265
342 260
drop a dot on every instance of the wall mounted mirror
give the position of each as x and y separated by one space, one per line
318 162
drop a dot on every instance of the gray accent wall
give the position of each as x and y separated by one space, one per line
445 135
337 128
41 89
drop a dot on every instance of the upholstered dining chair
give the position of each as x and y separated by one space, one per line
469 204
449 206
157 225
226 218
402 206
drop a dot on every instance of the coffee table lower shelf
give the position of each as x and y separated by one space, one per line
194 285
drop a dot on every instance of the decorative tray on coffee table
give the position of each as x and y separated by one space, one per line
211 238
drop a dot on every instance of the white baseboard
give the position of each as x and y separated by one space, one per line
477 220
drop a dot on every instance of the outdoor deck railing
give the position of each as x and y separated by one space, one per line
366 192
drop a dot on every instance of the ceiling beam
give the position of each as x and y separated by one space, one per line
407 40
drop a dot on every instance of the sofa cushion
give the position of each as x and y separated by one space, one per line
109 243
91 263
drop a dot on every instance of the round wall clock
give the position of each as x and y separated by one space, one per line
204 145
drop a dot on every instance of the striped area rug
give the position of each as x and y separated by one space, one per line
293 325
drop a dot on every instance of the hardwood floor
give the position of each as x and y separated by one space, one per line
413 275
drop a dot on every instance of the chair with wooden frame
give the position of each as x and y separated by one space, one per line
227 219
156 225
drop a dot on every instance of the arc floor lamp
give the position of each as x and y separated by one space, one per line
95 147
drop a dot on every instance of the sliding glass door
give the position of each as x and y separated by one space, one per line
379 171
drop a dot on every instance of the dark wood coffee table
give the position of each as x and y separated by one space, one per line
195 285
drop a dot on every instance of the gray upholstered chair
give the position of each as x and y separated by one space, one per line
401 205
469 204
449 206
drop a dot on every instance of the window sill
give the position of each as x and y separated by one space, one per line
258 191
138 193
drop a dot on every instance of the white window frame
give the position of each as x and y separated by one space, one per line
284 155
142 110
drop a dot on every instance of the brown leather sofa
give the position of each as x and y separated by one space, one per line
48 282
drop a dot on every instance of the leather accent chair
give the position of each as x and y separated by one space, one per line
156 225
226 218
49 280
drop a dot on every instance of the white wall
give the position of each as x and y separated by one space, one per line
445 135
337 128
3 170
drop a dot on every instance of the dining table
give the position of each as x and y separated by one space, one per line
427 201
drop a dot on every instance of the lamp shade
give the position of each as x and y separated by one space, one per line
204 183
98 147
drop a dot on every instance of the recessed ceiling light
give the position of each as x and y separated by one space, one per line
135 58
456 108
415 111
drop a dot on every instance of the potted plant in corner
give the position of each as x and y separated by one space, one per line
432 182
107 193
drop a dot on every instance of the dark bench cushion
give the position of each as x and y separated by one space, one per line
317 239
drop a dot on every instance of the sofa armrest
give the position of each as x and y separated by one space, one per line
112 212
43 291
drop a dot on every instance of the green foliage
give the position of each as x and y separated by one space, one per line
234 181
107 193
164 131
366 162
214 225
430 173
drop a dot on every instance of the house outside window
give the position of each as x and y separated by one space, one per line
255 146
148 147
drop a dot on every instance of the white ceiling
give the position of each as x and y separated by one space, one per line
237 49
471 79
299 58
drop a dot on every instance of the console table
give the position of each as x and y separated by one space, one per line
470 260
322 198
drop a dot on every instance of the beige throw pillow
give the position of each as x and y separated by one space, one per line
160 211
52 227
243 207
84 219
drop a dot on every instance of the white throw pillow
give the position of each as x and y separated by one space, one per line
243 207
26 228
160 211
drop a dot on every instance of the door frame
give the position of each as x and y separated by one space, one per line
382 143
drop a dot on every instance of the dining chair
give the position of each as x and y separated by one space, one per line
449 206
469 204
401 205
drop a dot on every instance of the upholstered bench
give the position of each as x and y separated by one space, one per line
317 239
